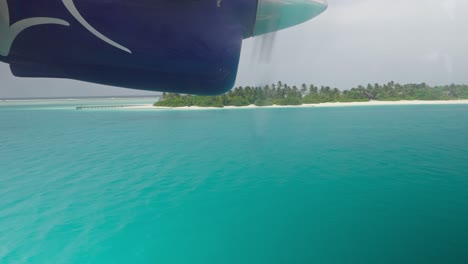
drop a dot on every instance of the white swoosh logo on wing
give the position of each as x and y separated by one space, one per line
76 14
9 33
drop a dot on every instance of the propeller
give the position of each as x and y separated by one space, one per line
275 15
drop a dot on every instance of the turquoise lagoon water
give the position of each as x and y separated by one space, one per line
318 185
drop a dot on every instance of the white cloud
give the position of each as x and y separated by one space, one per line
450 7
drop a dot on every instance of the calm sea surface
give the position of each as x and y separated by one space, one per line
319 185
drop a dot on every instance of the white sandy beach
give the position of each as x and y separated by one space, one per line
371 103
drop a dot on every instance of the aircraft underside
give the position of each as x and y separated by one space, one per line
159 45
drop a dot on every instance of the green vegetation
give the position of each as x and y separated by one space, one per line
283 94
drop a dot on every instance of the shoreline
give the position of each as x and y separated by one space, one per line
103 98
338 104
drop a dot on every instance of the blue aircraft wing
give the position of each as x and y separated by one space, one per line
179 46
183 46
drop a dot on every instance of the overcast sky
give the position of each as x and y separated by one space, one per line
354 42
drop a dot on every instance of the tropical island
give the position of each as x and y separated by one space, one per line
281 94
